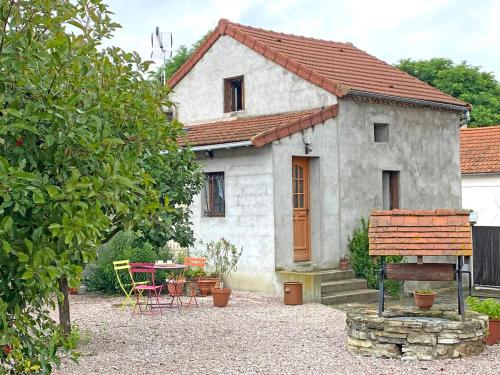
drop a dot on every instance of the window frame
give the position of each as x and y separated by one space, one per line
391 187
384 132
229 100
210 190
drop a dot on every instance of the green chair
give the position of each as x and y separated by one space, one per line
121 267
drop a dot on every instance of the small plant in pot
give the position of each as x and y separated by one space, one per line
222 258
344 263
424 298
491 308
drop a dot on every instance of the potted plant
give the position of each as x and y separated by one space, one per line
344 263
175 288
206 284
491 308
222 257
424 298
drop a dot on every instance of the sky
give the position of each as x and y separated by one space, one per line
388 29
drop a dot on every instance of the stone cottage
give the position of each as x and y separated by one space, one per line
300 138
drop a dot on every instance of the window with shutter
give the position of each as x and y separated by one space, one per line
234 94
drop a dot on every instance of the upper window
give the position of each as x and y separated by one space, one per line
215 204
381 132
390 190
234 97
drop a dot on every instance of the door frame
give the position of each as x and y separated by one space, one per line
304 162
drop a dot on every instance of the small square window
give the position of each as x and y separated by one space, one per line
381 132
234 94
215 202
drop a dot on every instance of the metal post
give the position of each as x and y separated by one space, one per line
460 290
381 277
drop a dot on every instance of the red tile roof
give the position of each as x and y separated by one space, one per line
420 232
339 68
480 150
260 130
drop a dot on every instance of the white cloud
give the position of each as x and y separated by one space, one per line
388 29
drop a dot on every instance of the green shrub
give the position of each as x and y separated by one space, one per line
489 306
363 265
100 275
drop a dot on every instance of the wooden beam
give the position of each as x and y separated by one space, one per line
421 272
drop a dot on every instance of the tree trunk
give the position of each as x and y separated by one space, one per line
64 316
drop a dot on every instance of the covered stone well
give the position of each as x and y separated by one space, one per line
415 334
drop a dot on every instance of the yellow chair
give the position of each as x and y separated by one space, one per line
121 266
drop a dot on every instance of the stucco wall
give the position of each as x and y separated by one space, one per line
269 88
324 204
423 145
481 193
249 220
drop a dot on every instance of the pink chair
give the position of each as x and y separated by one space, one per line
152 290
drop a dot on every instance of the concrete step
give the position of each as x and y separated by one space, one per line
334 275
352 296
338 286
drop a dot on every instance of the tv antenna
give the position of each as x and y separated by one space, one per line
161 46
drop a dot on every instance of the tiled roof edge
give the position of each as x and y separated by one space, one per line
438 212
305 122
195 57
227 28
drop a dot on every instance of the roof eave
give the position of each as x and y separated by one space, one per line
417 102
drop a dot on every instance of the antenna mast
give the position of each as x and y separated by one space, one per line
161 46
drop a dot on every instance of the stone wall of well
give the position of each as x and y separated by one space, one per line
398 335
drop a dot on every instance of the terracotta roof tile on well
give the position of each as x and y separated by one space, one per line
420 232
336 67
480 150
260 130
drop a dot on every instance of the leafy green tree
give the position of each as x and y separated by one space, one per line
462 81
78 127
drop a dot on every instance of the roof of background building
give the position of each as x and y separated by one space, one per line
480 150
260 130
340 68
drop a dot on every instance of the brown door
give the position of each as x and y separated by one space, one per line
300 200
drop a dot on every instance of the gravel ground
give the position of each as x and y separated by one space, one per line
254 334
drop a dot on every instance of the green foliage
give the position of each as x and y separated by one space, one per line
182 54
363 264
100 275
462 81
77 126
489 306
222 258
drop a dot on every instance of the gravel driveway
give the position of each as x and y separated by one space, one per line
254 334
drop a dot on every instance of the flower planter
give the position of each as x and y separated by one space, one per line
73 290
344 265
176 289
221 296
494 332
424 301
206 284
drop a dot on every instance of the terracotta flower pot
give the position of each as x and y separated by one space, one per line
424 301
73 290
221 296
494 332
206 284
344 265
177 288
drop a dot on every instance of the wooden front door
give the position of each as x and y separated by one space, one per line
300 201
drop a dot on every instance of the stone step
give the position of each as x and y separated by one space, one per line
334 275
352 296
337 286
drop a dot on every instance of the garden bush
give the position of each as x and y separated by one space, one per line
363 265
100 275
